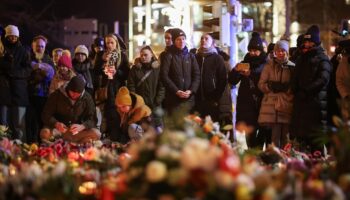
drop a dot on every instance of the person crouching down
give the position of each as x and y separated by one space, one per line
70 112
134 113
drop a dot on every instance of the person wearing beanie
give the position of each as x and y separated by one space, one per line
134 113
63 74
39 83
70 113
277 103
83 66
249 96
179 73
256 43
111 71
15 70
311 79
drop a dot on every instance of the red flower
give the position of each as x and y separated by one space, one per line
44 151
287 147
58 148
317 154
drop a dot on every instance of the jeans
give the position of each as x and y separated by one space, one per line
17 122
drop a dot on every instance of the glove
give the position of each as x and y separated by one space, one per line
276 86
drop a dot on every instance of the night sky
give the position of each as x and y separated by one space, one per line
25 13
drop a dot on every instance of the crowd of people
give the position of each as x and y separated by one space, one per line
97 93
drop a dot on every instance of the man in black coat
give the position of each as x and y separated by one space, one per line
179 73
312 75
15 70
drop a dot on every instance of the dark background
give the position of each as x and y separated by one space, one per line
40 16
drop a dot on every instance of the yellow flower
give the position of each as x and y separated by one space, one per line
156 171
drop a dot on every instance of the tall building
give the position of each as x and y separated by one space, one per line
148 19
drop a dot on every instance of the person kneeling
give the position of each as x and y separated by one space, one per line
70 112
134 113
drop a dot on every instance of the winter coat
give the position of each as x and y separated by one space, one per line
276 107
138 111
60 108
83 69
57 81
39 81
343 77
213 80
15 71
151 89
179 71
249 95
312 74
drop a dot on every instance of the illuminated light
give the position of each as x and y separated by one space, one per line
267 4
349 21
294 27
87 188
139 2
332 48
245 10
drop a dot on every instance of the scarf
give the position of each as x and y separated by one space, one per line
204 52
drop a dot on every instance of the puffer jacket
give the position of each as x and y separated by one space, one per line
179 71
276 107
312 75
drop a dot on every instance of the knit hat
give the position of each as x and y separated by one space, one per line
65 61
256 42
76 84
81 49
313 34
99 42
123 97
11 30
282 44
300 40
175 33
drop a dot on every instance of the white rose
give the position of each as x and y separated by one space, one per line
198 153
156 171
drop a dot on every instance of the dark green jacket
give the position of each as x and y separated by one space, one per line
60 108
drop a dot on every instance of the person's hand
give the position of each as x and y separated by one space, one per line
188 93
245 72
61 127
181 94
76 128
106 56
111 70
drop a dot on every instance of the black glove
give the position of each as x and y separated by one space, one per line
276 86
